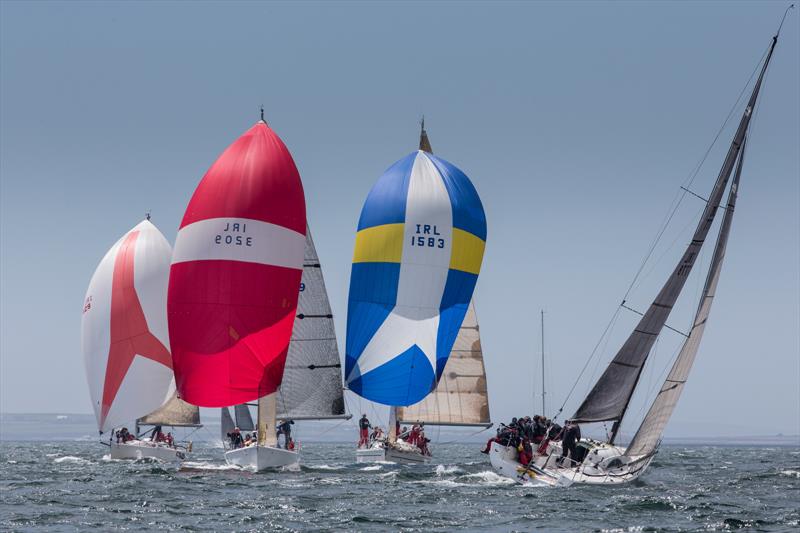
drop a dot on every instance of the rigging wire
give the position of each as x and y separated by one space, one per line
691 177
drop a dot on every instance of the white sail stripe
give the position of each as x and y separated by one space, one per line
397 334
239 239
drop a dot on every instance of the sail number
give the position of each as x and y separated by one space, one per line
427 235
233 234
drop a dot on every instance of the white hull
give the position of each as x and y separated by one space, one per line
260 458
604 465
140 449
376 454
379 453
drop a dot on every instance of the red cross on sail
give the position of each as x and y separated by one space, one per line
129 333
124 328
236 272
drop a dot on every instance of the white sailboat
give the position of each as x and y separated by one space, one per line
126 344
607 463
311 388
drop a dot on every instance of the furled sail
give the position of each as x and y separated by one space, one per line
461 397
244 420
124 329
312 378
175 413
609 398
418 252
649 433
237 264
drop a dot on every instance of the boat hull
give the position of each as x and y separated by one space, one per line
143 449
260 458
605 465
391 454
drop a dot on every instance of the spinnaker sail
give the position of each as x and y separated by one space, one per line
124 329
235 273
418 252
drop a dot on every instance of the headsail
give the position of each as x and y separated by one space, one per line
175 413
244 420
237 264
124 329
418 252
312 378
461 397
226 423
609 398
649 434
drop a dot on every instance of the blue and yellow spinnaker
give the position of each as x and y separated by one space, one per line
418 252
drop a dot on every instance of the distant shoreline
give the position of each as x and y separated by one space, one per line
73 427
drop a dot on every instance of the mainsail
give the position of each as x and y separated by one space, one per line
312 378
609 398
124 329
237 264
649 434
418 252
461 397
175 413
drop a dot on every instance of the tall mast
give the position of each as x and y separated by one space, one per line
611 395
544 411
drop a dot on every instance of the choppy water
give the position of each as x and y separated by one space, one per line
66 486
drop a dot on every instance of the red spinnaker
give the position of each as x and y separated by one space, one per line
235 274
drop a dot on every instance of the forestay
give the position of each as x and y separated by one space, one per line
461 397
175 413
649 433
609 398
312 377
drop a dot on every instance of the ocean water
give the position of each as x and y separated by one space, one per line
71 485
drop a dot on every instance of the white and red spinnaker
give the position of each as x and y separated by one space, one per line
235 274
124 330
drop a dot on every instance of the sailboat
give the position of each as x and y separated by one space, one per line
126 345
608 401
418 252
233 285
311 388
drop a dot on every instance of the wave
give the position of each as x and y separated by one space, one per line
72 459
443 470
791 473
199 466
324 467
371 468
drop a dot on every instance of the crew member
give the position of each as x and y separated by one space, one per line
363 426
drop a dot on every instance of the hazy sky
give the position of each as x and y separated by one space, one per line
577 123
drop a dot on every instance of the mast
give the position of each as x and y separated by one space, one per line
611 395
266 420
544 411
